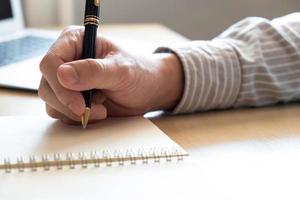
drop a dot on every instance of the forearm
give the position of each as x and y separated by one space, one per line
255 62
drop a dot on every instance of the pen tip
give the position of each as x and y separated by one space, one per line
85 117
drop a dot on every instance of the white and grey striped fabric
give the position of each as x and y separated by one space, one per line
255 62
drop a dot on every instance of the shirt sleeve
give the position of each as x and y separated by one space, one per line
255 62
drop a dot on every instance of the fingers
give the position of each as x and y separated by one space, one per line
67 48
54 113
47 94
110 73
70 43
68 98
57 110
57 115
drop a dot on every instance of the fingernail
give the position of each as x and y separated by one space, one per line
68 74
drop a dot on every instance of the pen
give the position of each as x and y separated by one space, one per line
91 23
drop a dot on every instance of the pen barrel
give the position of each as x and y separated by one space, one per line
89 51
89 42
92 7
91 23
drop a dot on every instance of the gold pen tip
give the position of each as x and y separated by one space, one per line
85 117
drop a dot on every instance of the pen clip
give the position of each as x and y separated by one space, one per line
97 3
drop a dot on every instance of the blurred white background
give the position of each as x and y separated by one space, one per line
196 19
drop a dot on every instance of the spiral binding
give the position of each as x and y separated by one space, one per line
93 158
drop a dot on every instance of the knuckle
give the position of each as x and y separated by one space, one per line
71 30
42 91
69 33
124 65
64 99
125 70
42 95
124 73
68 29
51 112
72 117
45 62
95 67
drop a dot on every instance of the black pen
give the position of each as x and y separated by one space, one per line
91 23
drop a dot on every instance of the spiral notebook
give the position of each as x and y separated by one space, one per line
41 144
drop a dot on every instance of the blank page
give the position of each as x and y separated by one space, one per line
22 137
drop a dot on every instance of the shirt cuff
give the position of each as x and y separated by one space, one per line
212 75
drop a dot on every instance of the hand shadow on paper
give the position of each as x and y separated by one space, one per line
62 138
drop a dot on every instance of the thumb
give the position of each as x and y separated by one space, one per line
90 74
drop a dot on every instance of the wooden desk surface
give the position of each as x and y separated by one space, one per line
243 154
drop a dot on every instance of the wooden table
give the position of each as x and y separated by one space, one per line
243 154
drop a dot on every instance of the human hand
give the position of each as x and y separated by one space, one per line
125 84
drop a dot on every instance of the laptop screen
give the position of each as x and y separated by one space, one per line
5 9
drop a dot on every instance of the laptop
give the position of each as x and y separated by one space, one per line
21 49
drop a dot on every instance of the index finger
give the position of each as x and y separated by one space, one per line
67 48
69 45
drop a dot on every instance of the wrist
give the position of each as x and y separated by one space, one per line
171 81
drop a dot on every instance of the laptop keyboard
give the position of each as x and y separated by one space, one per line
23 48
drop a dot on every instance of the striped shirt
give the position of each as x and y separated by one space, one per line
255 62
